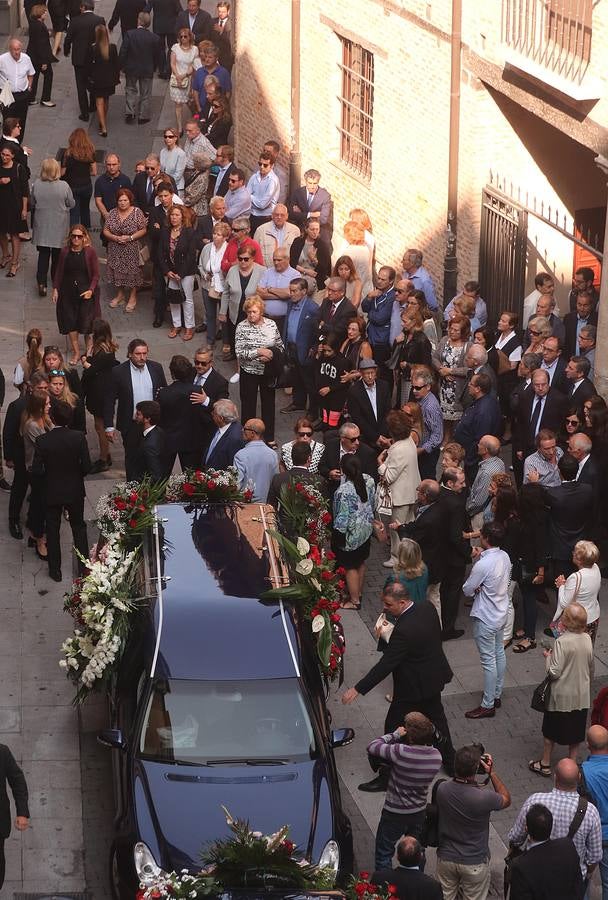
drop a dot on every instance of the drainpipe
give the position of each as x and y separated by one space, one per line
295 157
450 263
600 377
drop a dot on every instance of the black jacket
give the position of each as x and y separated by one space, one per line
10 771
547 871
323 258
140 187
180 419
12 441
95 381
204 229
222 189
410 883
39 46
146 456
165 14
216 387
297 473
339 323
80 35
223 42
229 444
201 28
79 419
584 392
559 380
126 11
414 656
104 74
140 53
64 457
331 460
361 413
554 412
570 320
457 551
571 511
120 388
429 531
184 255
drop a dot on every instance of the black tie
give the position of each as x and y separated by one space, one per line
149 190
535 416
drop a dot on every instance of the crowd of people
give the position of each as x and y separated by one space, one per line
475 450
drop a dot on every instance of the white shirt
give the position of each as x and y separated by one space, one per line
576 385
16 71
488 583
515 355
588 579
536 401
371 394
148 430
141 383
581 464
530 307
200 380
550 370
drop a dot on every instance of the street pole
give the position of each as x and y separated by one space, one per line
295 156
600 378
450 263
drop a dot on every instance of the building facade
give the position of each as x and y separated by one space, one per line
529 102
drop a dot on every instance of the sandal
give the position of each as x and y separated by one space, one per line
174 332
5 261
130 307
525 645
507 643
348 604
116 301
13 270
536 766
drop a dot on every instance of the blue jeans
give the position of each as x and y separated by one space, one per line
391 828
493 660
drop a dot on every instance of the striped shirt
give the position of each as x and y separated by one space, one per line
413 769
479 496
432 418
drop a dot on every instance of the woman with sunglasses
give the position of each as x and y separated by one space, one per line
76 289
219 122
59 390
573 424
173 158
183 56
303 431
53 359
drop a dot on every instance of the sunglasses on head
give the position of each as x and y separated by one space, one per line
57 372
52 350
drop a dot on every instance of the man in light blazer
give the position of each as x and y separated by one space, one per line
312 202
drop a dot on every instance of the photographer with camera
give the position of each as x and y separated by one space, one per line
414 762
464 806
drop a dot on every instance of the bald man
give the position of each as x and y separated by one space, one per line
17 68
595 783
276 233
256 464
563 802
488 451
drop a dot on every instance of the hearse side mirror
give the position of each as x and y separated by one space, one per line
340 737
113 738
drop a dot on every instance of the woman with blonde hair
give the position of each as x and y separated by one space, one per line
354 246
31 362
344 268
184 54
583 586
570 668
51 200
415 349
413 410
76 289
59 390
410 570
78 167
104 74
539 329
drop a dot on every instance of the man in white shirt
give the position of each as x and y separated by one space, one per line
256 464
264 188
273 286
543 285
237 197
488 584
276 233
16 68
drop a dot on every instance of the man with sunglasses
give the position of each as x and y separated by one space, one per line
264 187
554 365
402 290
143 184
346 440
207 387
237 197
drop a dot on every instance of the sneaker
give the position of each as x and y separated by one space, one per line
4 485
389 564
234 379
48 103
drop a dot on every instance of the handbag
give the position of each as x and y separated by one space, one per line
540 697
184 86
429 835
556 627
144 252
384 501
513 852
277 370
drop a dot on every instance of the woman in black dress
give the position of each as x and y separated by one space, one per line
219 122
103 74
76 288
60 391
97 372
78 166
415 350
58 12
41 55
14 192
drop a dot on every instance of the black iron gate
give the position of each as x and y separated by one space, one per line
502 253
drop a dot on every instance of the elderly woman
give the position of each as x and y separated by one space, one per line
303 431
353 509
124 227
449 363
257 341
212 285
582 586
178 264
570 668
173 158
76 288
398 469
196 183
51 200
241 282
539 329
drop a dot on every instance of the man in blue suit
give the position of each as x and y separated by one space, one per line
300 338
483 416
228 437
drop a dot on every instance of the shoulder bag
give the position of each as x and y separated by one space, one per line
429 836
384 501
540 697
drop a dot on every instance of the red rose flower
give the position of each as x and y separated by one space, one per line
248 494
289 846
341 585
120 504
132 523
334 617
326 518
360 889
133 496
188 488
211 485
299 487
364 876
393 889
327 576
329 554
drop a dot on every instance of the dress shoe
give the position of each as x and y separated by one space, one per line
54 59
129 119
452 635
157 323
497 703
55 574
200 328
15 530
4 485
375 786
292 408
83 118
143 121
99 466
480 712
42 290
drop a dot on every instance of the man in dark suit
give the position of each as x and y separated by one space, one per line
580 387
428 529
126 11
143 184
347 440
300 338
206 224
476 360
180 419
11 772
140 55
542 407
527 365
300 457
136 379
225 160
420 670
456 551
584 314
147 455
336 311
62 454
228 437
483 416
555 364
195 20
208 386
163 24
410 881
312 202
79 37
222 35
368 402
548 869
571 510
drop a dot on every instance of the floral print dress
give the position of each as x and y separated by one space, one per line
123 267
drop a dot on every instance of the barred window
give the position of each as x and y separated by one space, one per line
356 108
